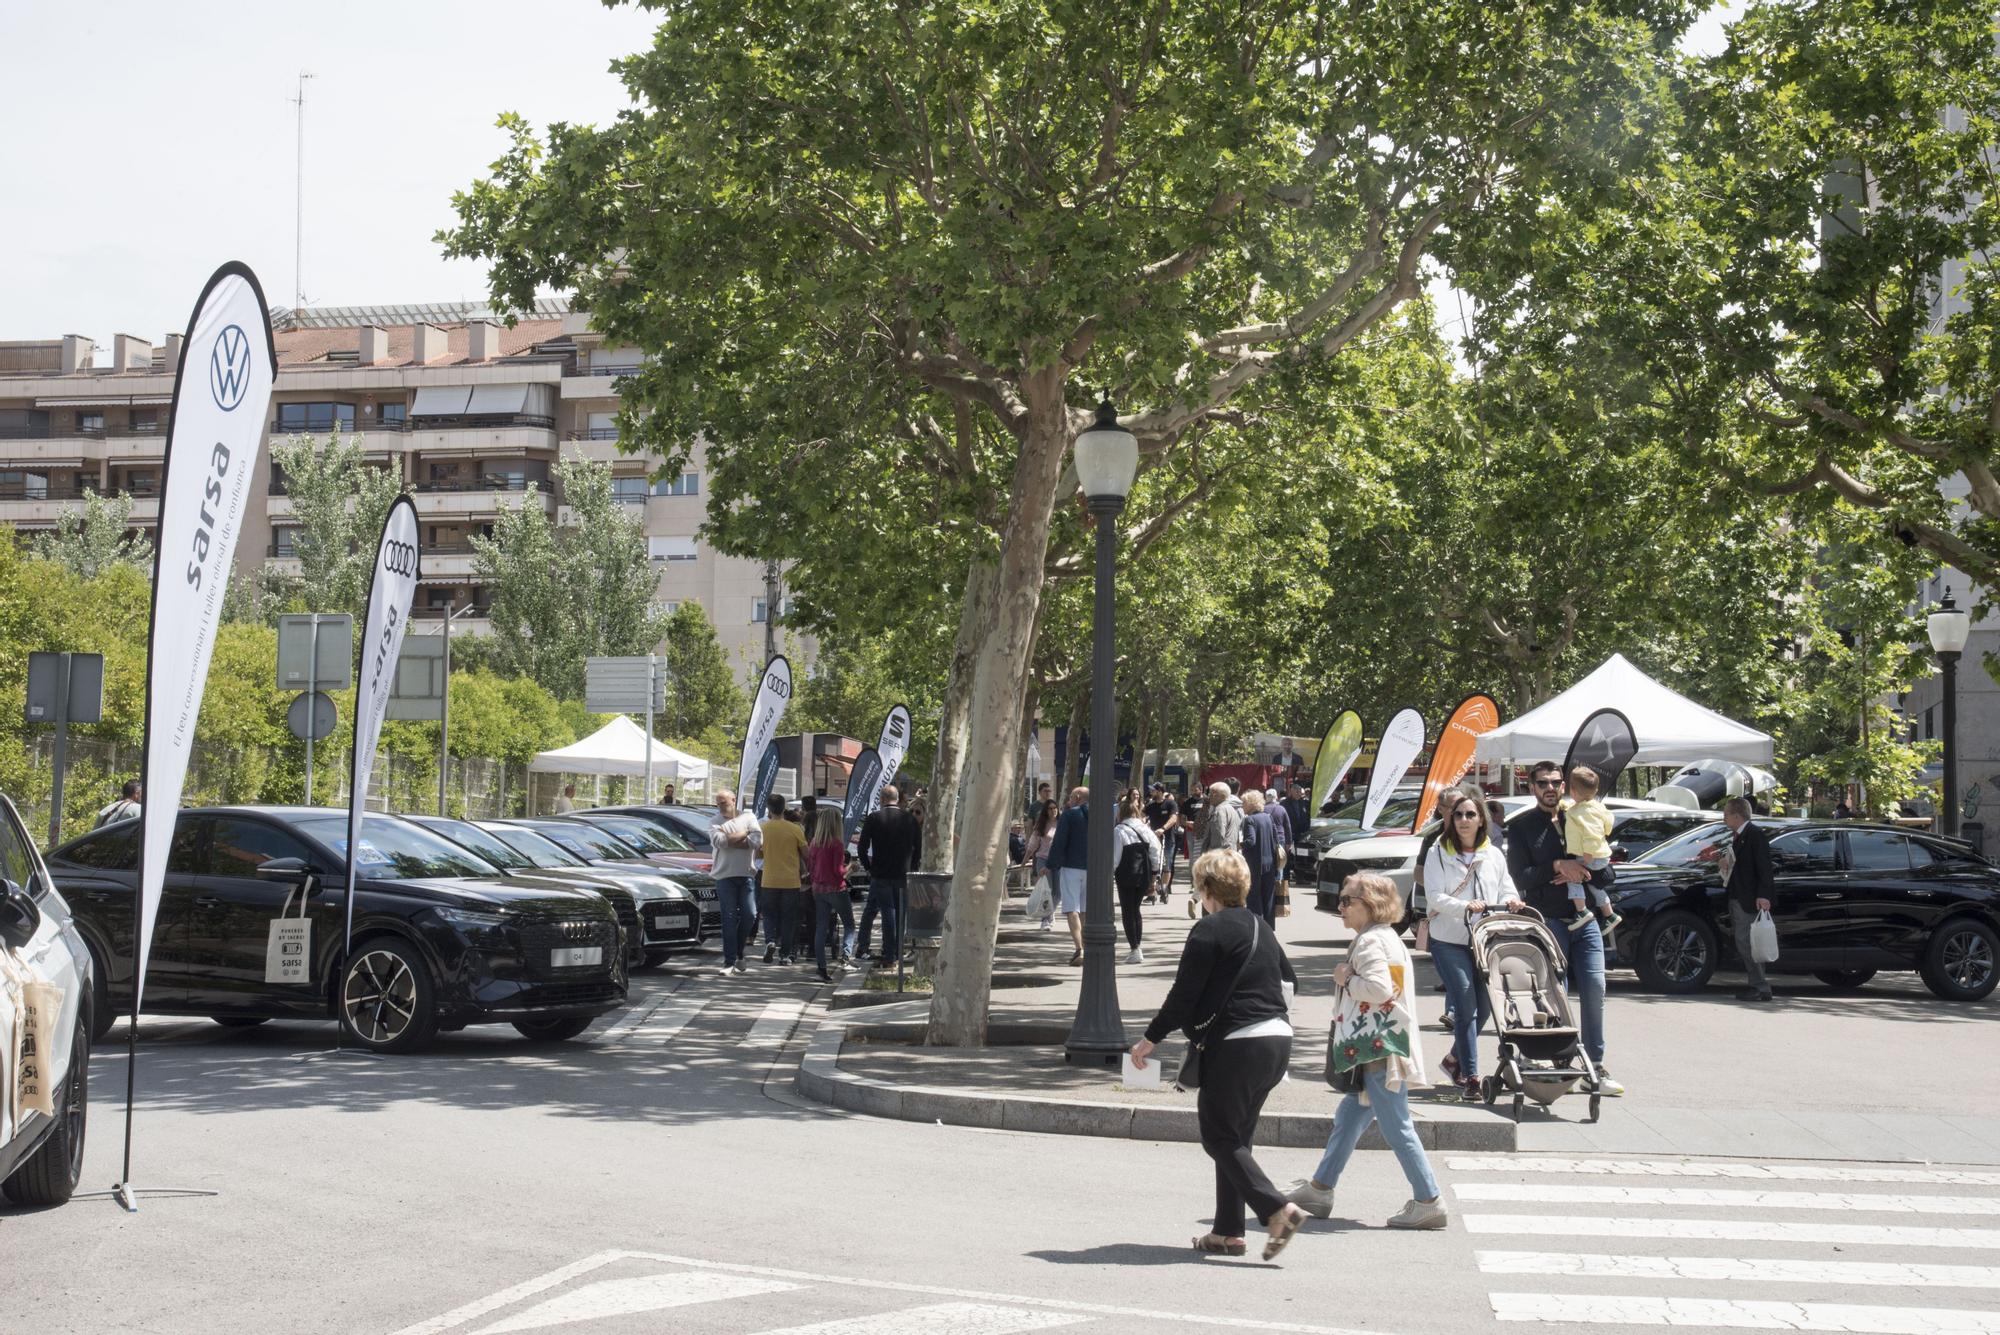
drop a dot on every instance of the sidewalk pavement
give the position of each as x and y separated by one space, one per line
1888 1074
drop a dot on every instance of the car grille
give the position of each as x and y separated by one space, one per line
622 905
538 939
681 919
570 994
1335 871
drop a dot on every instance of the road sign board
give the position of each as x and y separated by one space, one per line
336 651
86 688
313 709
418 690
623 685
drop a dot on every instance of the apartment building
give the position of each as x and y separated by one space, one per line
466 411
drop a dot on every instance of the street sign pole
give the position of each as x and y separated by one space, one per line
62 749
444 718
312 688
652 671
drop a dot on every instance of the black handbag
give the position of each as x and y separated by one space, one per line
1189 1076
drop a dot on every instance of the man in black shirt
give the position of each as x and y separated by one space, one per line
1164 815
1534 846
885 846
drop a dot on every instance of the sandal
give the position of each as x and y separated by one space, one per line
1214 1244
1282 1226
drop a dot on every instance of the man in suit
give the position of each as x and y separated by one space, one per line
1749 886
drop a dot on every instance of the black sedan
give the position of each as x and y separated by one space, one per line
1850 900
442 939
596 846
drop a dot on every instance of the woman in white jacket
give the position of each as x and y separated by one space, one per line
1464 876
1134 882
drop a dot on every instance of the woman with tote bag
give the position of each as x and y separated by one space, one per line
1373 1054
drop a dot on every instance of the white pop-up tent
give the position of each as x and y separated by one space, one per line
1671 728
619 747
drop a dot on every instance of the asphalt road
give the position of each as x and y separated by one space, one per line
661 1176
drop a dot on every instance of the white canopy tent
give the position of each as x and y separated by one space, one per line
619 747
1671 728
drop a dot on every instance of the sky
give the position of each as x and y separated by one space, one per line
150 140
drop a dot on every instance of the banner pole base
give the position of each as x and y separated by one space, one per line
127 1196
340 1052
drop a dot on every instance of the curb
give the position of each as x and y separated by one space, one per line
821 1079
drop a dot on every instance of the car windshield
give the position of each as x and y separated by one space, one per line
537 848
479 841
642 835
1702 846
585 840
391 847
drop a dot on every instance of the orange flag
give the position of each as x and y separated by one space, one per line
1452 756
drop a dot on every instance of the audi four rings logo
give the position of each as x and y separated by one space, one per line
578 931
229 367
399 558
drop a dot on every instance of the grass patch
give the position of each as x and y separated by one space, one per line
879 980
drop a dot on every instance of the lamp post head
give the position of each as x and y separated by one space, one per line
1107 457
1949 625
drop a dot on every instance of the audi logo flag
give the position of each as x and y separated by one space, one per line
392 596
215 430
1394 755
774 693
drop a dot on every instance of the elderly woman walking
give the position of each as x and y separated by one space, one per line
1374 1046
1465 875
1260 850
1230 995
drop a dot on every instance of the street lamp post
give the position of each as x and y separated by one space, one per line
1107 459
1948 626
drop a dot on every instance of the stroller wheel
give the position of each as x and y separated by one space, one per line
1490 1087
1593 1108
1519 1102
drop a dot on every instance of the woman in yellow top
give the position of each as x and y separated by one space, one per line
784 880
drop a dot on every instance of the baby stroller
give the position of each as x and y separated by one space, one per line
1518 959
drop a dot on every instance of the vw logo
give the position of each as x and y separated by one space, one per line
229 367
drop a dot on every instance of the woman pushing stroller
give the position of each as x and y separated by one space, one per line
1465 874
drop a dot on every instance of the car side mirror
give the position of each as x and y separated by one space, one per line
20 915
289 870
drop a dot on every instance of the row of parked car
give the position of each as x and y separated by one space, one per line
1851 900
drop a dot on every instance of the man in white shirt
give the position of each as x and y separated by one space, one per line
567 802
737 839
125 808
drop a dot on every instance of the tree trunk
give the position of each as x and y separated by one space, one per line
964 976
1201 737
1024 782
1165 707
943 805
1141 727
1079 719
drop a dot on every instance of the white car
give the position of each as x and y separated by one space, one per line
1637 826
41 1153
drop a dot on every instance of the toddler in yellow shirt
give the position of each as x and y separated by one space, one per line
1587 841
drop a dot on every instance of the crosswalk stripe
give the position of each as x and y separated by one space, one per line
940 1319
1740 1314
1715 1197
777 1022
1872 1274
643 1293
1728 1230
658 1023
1775 1172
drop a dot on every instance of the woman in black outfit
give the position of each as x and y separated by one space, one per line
1230 995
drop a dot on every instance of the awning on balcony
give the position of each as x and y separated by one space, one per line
498 399
440 400
100 400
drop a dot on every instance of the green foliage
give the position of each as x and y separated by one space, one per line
91 538
564 592
509 718
339 503
703 700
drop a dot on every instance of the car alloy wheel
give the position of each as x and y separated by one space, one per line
1967 960
379 997
1680 954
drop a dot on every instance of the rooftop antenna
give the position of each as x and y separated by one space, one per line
299 202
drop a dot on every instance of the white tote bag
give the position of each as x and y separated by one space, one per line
1764 939
1040 900
288 948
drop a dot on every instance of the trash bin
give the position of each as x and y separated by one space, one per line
925 895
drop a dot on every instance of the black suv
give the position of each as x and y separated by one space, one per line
1851 899
442 939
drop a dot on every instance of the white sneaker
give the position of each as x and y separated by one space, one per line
1421 1214
1310 1198
1608 1087
1135 956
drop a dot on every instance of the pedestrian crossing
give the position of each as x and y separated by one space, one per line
1645 1245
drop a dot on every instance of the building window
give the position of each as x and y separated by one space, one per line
306 417
395 414
90 424
671 549
631 490
669 606
687 484
758 607
282 542
145 420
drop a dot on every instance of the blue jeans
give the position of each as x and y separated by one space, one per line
885 896
828 906
1584 947
1392 1110
739 914
1468 1004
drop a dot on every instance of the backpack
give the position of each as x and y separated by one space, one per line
1135 869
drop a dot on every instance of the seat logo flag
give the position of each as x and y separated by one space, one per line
215 431
774 693
1337 751
864 788
895 744
392 596
1475 716
1607 744
1394 755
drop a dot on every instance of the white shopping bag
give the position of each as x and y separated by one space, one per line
1040 900
1764 939
288 948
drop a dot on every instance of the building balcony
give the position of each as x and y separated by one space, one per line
448 560
155 429
593 383
487 496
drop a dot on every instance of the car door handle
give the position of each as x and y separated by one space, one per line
1834 894
207 901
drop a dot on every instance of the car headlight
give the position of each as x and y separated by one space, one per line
1379 864
478 927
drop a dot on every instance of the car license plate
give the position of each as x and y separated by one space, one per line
668 922
575 957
